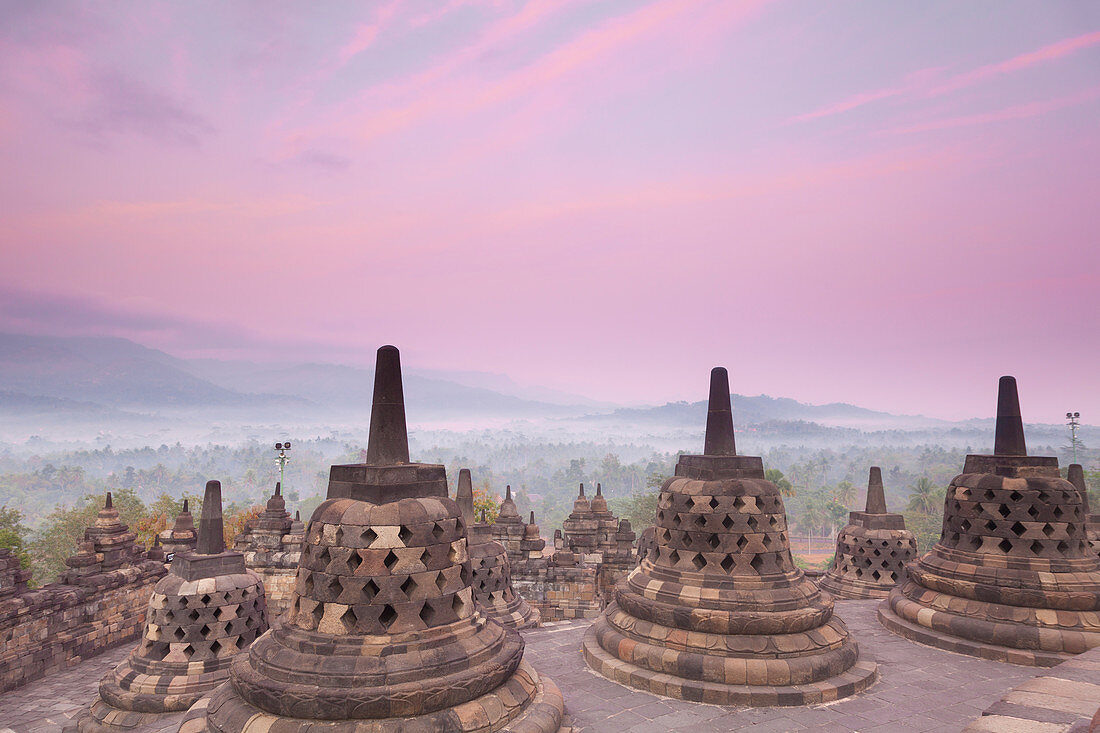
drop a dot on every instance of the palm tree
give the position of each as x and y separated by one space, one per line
925 496
845 494
776 477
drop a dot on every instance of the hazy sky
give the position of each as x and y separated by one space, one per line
890 204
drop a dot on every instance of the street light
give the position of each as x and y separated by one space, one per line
282 459
1074 421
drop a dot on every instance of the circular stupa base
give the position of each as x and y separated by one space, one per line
852 589
527 703
941 639
518 615
103 718
856 678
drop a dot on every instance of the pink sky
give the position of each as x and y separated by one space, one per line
890 204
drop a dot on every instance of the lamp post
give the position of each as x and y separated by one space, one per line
281 460
1074 420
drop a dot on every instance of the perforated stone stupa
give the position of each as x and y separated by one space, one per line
181 536
718 612
872 550
203 613
1012 577
492 573
382 632
1076 476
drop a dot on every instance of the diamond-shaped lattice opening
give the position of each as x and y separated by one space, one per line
179 633
318 614
1018 529
349 619
1062 546
964 525
1003 510
1015 496
713 503
464 575
405 534
440 580
188 651
408 586
307 586
1033 512
676 520
713 541
739 502
1036 547
767 542
215 647
437 531
219 612
989 495
753 522
742 542
354 561
772 521
1005 545
876 574
975 542
700 520
368 537
698 561
370 590
427 613
757 563
240 643
388 616
334 587
1058 512
1048 529
990 525
674 557
876 553
204 630
194 615
458 606
323 556
727 522
339 535
727 563
390 561
1071 529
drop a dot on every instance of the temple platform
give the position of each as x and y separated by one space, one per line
920 688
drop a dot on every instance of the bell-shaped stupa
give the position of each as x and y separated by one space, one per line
872 550
1012 577
717 611
201 615
383 633
492 571
1076 476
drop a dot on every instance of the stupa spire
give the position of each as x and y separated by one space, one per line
388 443
1076 476
876 495
211 536
719 439
1010 424
464 496
185 509
109 504
278 488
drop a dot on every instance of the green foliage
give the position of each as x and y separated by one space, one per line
640 509
13 534
926 498
486 506
781 482
823 565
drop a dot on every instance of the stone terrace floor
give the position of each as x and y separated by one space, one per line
919 689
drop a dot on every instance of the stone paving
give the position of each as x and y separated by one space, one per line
920 689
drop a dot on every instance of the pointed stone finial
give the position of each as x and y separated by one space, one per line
1010 424
599 489
876 495
1076 476
185 509
508 492
719 439
464 496
388 443
532 518
278 488
110 504
582 492
211 536
297 515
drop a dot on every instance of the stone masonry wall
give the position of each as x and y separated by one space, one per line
60 625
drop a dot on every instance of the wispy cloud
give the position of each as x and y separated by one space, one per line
1015 112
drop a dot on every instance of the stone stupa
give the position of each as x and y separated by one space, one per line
717 611
181 537
1076 476
201 615
492 572
872 550
1012 577
382 633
